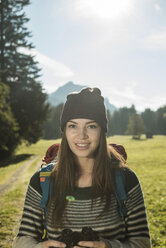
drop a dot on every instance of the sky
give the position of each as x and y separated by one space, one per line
118 46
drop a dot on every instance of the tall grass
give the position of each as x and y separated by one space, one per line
146 157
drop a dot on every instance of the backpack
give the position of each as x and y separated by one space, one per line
45 182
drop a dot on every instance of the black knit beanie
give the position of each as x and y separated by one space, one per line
87 103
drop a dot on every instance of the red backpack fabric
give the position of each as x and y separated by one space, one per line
53 150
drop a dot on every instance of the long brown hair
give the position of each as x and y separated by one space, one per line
65 175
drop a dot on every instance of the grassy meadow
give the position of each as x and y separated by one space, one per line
146 157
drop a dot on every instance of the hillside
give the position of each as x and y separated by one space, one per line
59 95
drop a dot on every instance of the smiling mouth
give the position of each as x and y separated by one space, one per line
82 146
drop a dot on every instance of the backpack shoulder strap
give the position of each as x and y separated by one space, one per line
45 183
120 192
45 172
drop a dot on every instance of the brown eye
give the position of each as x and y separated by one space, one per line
71 126
92 126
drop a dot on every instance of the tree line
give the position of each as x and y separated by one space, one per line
124 121
23 107
150 121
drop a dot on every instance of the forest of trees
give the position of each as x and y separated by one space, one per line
23 107
122 122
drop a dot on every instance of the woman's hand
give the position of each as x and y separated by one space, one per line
93 244
53 243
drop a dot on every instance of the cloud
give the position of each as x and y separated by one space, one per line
157 7
128 95
156 102
58 68
54 72
124 95
127 92
155 41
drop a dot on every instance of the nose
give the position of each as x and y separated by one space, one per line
82 133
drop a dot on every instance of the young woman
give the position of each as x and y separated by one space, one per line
83 190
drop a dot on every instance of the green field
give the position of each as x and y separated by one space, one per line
146 157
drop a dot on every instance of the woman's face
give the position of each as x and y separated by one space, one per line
83 137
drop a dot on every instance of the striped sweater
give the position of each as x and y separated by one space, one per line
133 233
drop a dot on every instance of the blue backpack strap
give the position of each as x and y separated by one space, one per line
45 183
120 192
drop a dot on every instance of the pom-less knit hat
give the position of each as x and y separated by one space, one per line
87 103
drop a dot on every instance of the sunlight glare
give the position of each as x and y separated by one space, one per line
106 9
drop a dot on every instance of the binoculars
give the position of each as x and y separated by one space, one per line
71 238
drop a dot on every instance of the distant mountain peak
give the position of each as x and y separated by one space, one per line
69 84
59 96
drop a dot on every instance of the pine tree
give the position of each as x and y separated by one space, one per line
136 126
161 120
52 125
120 120
149 118
20 71
9 137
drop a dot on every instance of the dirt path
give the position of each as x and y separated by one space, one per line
14 177
19 176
